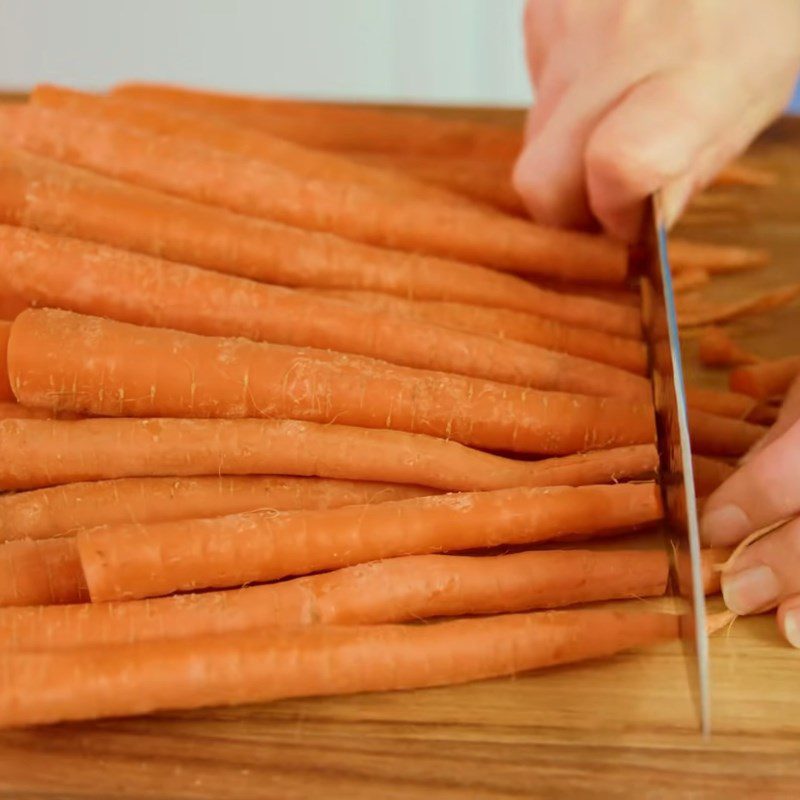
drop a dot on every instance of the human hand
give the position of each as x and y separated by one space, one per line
633 96
765 490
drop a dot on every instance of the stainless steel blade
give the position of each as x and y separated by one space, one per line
677 476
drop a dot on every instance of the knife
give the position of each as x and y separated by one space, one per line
660 322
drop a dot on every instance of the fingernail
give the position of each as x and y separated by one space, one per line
725 525
750 590
791 627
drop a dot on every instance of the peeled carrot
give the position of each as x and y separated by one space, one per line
400 589
40 572
63 510
249 667
694 311
336 127
68 362
55 198
724 404
717 348
595 345
709 473
59 272
766 379
714 435
163 121
129 561
6 395
39 453
250 187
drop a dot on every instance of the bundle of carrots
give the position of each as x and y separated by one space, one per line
266 404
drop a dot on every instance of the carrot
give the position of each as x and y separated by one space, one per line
62 510
40 453
236 139
400 589
710 559
130 561
740 174
248 667
764 414
724 404
68 362
767 379
6 395
10 304
718 349
14 410
38 573
694 310
709 473
714 258
713 435
595 345
249 187
690 279
336 127
55 198
484 181
91 278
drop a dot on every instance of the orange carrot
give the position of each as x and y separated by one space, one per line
693 310
129 561
6 395
718 349
248 667
713 435
86 277
739 174
595 345
709 473
724 404
14 410
767 379
68 362
242 141
336 127
38 573
39 453
400 589
62 510
690 279
55 198
710 559
10 304
764 414
714 258
250 187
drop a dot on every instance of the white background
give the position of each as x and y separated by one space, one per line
447 51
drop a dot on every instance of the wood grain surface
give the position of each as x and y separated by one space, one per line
624 728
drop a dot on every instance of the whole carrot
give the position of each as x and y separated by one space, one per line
595 345
52 197
400 589
247 186
68 362
714 435
123 562
335 127
766 379
6 395
63 510
248 667
724 404
717 348
40 453
55 271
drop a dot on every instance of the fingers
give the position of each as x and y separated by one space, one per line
763 491
789 620
788 415
766 573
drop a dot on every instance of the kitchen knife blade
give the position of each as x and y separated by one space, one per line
677 478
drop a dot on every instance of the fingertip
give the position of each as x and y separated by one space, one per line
723 525
789 620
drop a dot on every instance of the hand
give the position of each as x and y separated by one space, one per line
765 490
639 95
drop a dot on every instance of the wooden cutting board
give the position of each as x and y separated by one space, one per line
622 728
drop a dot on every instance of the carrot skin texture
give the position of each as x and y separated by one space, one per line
395 590
714 435
68 362
14 410
228 669
6 393
124 562
766 379
45 195
63 510
250 187
40 453
709 473
41 572
85 277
